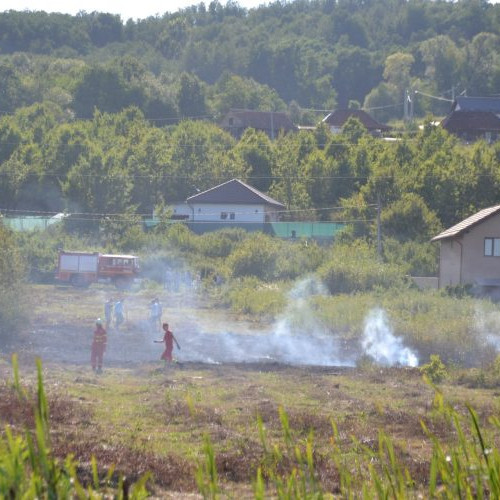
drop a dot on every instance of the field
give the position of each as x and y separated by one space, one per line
253 413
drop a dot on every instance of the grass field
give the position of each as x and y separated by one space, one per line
256 416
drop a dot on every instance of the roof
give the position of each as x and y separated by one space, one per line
468 223
471 121
261 120
119 256
234 191
463 103
338 118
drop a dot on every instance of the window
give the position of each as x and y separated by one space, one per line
223 215
232 215
492 247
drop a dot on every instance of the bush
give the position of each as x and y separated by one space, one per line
356 268
13 299
435 370
256 256
251 296
418 259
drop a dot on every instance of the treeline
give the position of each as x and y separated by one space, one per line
122 164
202 60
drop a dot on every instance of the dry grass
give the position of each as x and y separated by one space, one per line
141 418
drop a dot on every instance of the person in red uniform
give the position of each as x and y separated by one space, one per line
169 340
98 346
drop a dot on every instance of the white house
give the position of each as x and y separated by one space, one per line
233 201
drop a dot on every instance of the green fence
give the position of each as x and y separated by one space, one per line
291 230
29 223
314 230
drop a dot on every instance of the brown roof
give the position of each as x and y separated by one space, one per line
234 191
338 118
461 121
468 223
262 120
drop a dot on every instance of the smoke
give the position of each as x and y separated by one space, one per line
379 342
296 338
487 326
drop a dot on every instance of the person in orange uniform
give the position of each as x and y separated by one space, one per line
98 346
169 340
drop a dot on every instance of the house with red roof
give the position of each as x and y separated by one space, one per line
338 118
470 251
474 118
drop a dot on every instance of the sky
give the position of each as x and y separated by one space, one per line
126 8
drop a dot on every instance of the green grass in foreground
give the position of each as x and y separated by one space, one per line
228 432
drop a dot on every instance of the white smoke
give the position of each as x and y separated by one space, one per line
380 343
487 326
297 337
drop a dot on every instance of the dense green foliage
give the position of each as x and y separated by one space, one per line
13 299
312 52
119 165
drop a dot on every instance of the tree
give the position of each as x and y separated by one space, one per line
255 149
442 60
191 97
409 218
397 70
13 303
101 88
481 69
383 102
354 74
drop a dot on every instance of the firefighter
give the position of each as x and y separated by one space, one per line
119 313
169 340
108 312
155 314
98 346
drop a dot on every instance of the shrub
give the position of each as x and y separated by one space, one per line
13 297
435 370
251 296
356 268
256 256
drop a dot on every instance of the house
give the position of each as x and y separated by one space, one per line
470 251
237 204
233 201
337 119
473 118
270 122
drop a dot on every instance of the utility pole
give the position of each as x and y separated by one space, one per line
272 125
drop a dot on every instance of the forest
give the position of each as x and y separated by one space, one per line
305 55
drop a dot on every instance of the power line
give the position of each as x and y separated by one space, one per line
132 216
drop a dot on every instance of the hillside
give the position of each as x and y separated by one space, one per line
317 54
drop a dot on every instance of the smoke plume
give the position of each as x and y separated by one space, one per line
380 343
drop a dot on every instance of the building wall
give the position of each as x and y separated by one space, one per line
212 212
450 255
466 263
476 266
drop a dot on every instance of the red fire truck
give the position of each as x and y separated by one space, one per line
80 269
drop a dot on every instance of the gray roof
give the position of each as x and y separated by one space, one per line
466 224
234 191
463 103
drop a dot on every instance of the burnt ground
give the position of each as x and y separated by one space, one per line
229 372
63 321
